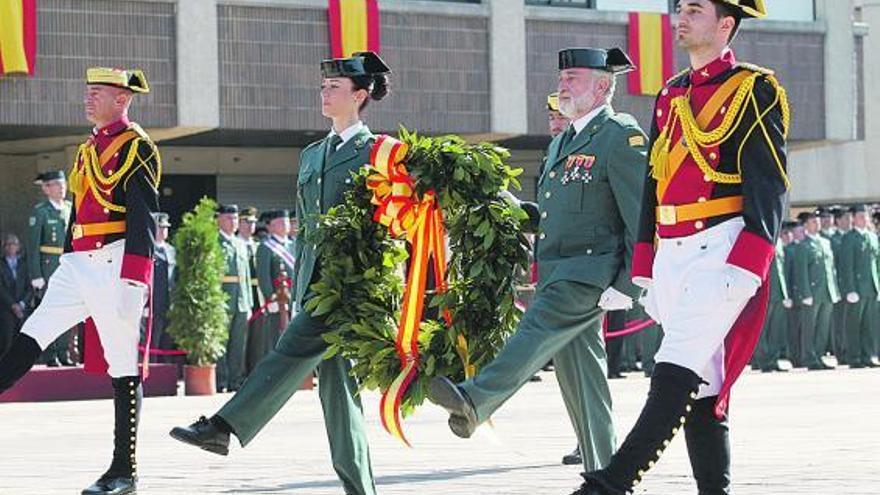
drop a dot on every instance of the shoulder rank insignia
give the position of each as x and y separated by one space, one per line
636 140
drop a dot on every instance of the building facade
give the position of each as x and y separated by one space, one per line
235 85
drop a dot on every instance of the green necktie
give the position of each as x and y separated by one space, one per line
335 140
567 136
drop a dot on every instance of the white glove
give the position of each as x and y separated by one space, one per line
649 302
808 301
741 285
613 300
787 303
509 197
852 297
38 283
272 307
132 300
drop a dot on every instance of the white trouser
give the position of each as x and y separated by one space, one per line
87 284
692 301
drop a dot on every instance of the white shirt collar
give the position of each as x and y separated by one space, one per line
582 122
57 205
348 133
227 236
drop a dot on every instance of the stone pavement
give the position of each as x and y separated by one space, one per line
796 433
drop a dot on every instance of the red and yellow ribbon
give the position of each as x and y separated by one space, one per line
399 208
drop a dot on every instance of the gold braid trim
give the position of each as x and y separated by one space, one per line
88 175
781 100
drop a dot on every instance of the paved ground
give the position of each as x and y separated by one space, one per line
796 433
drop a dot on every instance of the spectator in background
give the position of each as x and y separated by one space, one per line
164 265
15 291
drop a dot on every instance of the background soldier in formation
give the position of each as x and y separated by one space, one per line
236 285
47 231
276 267
772 346
842 224
859 282
247 228
816 289
164 264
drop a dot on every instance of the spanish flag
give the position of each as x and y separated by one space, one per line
650 46
18 36
354 26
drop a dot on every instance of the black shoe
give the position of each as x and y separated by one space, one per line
66 361
535 378
112 485
462 416
573 458
204 435
53 363
589 488
874 362
856 366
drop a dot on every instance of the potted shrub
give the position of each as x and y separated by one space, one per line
197 319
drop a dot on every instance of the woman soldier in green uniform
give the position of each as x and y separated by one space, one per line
325 174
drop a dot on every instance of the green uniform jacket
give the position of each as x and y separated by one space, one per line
237 265
586 225
778 282
791 254
270 265
859 252
320 186
47 228
815 272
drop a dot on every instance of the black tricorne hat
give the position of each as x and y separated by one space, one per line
359 64
224 209
273 214
49 176
613 60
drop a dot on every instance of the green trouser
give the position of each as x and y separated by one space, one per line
254 348
860 320
271 331
794 336
773 336
231 367
815 332
563 323
649 340
839 333
278 376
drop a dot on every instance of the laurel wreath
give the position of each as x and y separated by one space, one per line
361 280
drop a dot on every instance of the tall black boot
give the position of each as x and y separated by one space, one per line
121 478
708 446
21 357
670 400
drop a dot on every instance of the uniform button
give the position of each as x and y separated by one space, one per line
701 200
712 156
547 194
115 155
699 225
544 215
659 112
723 109
319 180
106 211
665 92
552 174
706 178
589 251
98 244
317 202
542 235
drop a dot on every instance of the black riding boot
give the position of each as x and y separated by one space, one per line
121 478
21 357
708 446
670 400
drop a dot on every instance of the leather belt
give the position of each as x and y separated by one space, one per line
99 228
231 279
674 214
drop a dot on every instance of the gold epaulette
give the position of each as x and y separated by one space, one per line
755 68
154 175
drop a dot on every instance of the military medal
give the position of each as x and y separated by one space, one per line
578 167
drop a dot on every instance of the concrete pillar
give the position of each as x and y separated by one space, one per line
871 16
840 73
198 67
507 55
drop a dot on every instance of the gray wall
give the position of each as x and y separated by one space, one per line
269 70
76 34
796 57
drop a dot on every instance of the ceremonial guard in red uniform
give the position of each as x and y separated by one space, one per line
713 203
106 269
